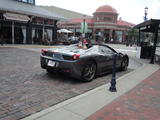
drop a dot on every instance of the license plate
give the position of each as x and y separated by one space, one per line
51 63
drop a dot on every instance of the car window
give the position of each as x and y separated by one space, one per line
106 50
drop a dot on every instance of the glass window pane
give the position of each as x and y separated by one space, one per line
24 0
31 1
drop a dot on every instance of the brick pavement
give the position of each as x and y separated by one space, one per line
26 89
140 103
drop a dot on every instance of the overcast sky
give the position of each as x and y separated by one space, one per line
129 10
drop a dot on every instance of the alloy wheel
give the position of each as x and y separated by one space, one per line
89 71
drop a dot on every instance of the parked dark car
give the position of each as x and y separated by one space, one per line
83 64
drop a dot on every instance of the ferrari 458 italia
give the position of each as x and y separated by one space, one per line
83 64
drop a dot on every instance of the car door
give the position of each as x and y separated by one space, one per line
108 54
101 59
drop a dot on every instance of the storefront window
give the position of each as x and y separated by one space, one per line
24 34
27 1
19 34
119 36
37 35
49 34
31 1
106 35
24 0
6 32
47 37
109 19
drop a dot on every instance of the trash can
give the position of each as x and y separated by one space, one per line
146 52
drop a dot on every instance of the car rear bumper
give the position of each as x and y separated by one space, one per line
71 68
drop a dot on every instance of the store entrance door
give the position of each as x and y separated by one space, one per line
6 32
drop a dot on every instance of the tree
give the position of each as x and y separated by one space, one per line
133 36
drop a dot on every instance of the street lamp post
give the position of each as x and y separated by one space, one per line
145 13
113 80
84 25
83 31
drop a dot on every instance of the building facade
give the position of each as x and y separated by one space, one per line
22 22
27 1
104 23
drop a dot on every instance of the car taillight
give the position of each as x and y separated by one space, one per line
44 50
76 56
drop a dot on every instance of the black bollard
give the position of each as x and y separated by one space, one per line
113 80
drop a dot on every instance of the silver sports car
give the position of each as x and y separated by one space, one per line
80 63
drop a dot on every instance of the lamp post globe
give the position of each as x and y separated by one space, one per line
145 13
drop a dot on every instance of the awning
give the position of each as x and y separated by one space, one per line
16 17
148 26
64 31
152 25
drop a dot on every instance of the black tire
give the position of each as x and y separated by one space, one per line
124 64
89 71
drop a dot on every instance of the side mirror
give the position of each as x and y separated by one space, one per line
120 53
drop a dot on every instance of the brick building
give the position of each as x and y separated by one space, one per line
22 22
104 22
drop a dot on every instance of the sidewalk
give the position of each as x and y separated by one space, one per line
141 103
137 98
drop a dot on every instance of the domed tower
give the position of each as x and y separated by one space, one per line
105 13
